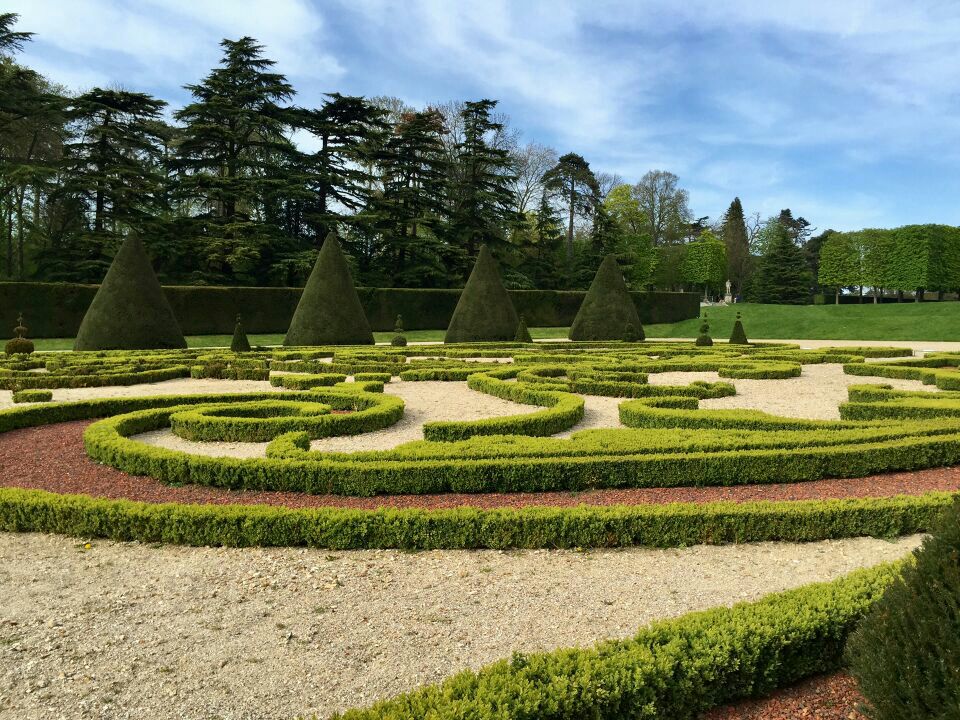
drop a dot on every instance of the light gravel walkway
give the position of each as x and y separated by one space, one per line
134 631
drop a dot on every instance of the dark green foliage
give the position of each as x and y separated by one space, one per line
398 339
782 275
737 242
129 311
704 339
523 332
56 310
906 653
573 184
607 308
630 333
329 311
19 345
484 312
239 343
738 336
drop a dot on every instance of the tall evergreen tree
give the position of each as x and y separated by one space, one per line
234 160
481 197
336 178
782 275
412 203
575 185
737 242
112 165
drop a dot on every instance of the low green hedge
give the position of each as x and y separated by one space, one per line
32 396
674 525
670 669
305 382
562 412
264 420
50 380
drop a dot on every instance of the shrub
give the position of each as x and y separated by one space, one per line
398 340
738 336
906 653
19 345
239 343
704 339
523 333
484 312
129 311
607 307
32 396
630 334
329 311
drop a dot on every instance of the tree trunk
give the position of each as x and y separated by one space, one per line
861 294
918 295
9 214
23 192
836 297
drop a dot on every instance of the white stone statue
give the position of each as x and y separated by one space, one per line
728 297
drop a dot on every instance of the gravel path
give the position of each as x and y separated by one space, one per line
133 631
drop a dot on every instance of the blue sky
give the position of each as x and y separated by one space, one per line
845 111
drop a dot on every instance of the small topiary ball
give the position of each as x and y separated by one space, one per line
704 339
19 345
523 332
906 652
399 339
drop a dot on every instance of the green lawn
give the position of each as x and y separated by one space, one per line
904 321
895 321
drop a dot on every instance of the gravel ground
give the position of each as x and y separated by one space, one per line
133 631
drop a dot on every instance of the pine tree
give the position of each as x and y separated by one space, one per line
336 177
112 165
481 197
734 236
782 275
234 159
412 204
573 183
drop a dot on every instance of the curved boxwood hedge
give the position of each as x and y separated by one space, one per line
670 669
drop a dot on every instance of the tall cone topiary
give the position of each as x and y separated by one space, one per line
240 343
607 309
130 310
329 311
738 336
484 312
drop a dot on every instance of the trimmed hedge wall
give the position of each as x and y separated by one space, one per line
55 310
664 526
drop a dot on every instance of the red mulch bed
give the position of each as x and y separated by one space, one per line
51 457
827 697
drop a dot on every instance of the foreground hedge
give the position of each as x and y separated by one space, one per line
672 669
673 525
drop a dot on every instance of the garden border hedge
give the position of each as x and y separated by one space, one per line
56 309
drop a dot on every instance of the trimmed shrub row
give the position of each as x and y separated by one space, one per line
56 309
670 669
562 412
675 525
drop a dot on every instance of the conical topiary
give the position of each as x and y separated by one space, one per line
607 308
631 334
704 339
905 654
130 310
523 332
19 345
484 312
738 336
398 339
329 311
239 342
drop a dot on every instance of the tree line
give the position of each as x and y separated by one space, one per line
221 193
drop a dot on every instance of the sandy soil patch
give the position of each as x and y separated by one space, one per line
130 631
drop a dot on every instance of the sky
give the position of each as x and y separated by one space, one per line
845 111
